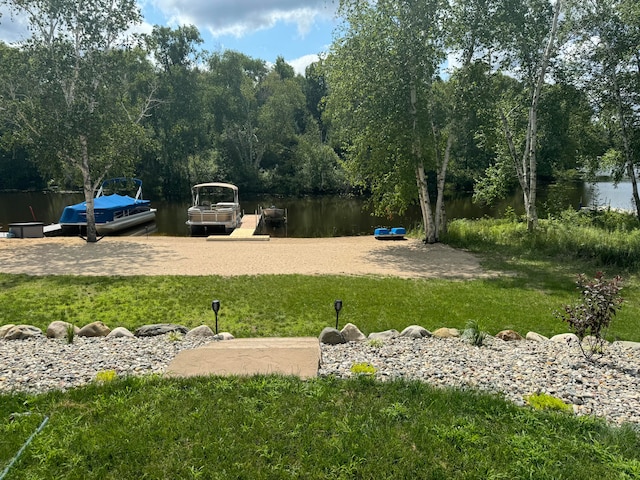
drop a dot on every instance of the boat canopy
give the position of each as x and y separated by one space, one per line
104 208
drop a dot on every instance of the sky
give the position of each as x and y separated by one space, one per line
264 29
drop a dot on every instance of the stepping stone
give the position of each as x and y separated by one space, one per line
250 356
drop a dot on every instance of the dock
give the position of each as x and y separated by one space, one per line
245 232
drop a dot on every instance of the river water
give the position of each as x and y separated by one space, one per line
325 216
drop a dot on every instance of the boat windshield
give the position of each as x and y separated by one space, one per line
214 195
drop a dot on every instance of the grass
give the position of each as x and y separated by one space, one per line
281 427
291 305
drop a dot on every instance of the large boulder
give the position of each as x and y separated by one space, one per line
5 328
58 329
120 332
94 329
160 329
22 332
331 336
567 338
415 331
509 335
446 332
386 335
351 333
536 337
203 331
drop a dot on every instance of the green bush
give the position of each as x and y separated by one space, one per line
543 401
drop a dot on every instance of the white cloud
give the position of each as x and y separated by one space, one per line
300 64
239 17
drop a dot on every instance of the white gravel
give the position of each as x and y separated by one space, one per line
608 387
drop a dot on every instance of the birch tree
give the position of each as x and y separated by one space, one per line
85 91
380 75
606 63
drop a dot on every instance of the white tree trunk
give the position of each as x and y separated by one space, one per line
425 205
440 220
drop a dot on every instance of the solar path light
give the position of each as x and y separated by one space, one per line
338 306
215 306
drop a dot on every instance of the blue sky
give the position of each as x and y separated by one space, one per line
263 29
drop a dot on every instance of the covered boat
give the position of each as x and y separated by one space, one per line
215 208
113 213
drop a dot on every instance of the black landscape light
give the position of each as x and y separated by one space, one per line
338 306
215 306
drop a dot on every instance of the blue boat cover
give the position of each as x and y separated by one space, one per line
104 207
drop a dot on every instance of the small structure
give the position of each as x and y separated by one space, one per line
26 230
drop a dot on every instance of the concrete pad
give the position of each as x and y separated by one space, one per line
298 356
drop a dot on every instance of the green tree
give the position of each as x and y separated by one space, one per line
79 102
180 127
380 76
232 93
606 63
519 38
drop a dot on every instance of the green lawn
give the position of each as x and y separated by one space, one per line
280 427
290 305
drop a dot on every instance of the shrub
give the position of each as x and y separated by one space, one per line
474 334
71 333
375 342
590 319
363 368
543 401
105 376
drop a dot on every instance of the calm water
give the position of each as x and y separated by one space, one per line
310 216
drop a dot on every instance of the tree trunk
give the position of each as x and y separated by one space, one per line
440 220
88 191
425 205
626 143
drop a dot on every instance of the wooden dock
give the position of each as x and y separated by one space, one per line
245 232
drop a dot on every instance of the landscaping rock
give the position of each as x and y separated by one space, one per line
159 329
5 328
223 336
625 344
22 332
509 335
446 333
120 332
58 329
201 331
351 333
94 329
386 335
565 338
415 331
331 336
536 337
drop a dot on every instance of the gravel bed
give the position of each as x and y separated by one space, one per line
607 387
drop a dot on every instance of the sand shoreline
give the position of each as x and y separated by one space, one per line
163 255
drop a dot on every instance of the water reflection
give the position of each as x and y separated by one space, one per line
319 216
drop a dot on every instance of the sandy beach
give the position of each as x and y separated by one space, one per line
161 255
